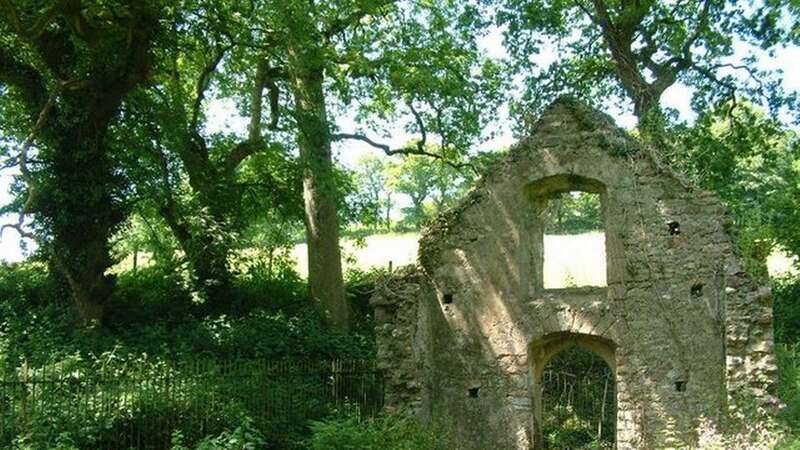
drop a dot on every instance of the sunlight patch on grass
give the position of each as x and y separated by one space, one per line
575 260
780 264
378 251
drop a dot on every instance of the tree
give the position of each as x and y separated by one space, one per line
421 180
199 190
753 163
65 71
418 57
371 176
639 49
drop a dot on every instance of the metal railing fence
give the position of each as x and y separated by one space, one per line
142 407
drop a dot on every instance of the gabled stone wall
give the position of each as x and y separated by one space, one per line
464 336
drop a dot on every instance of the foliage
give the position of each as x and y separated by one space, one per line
578 393
243 437
789 382
51 62
173 230
157 329
144 401
268 318
573 213
424 180
753 163
786 309
390 432
372 193
635 51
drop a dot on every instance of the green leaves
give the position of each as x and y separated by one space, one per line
751 162
639 49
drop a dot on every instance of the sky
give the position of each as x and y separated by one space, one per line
223 116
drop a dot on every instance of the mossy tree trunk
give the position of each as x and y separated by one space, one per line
85 68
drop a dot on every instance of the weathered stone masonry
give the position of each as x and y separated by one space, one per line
465 335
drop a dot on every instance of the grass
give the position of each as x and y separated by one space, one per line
577 260
570 260
399 249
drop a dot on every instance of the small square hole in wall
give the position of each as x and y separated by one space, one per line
680 386
574 241
473 392
674 228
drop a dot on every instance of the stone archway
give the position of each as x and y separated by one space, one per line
542 350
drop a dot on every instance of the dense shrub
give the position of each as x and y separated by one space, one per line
155 326
786 301
789 382
389 432
243 437
153 313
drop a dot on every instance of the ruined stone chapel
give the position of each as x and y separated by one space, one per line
465 334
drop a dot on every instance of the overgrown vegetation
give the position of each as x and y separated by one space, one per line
391 432
573 213
160 233
786 293
579 407
163 359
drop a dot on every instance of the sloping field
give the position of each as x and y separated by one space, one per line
379 250
572 260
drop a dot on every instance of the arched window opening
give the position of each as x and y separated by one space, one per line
578 402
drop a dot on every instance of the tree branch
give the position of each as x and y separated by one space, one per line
204 82
587 11
9 11
240 152
26 175
420 125
264 79
254 129
708 74
415 150
702 23
633 15
72 10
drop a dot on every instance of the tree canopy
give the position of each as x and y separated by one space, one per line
111 120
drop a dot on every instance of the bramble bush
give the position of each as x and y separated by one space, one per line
386 432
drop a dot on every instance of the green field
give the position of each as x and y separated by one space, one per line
569 259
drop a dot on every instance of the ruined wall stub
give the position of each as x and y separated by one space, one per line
464 335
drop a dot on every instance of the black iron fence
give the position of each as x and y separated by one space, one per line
146 406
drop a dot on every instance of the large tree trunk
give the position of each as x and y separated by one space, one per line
319 189
80 206
78 194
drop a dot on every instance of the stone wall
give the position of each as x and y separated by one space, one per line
465 336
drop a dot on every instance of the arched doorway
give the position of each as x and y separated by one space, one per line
574 392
